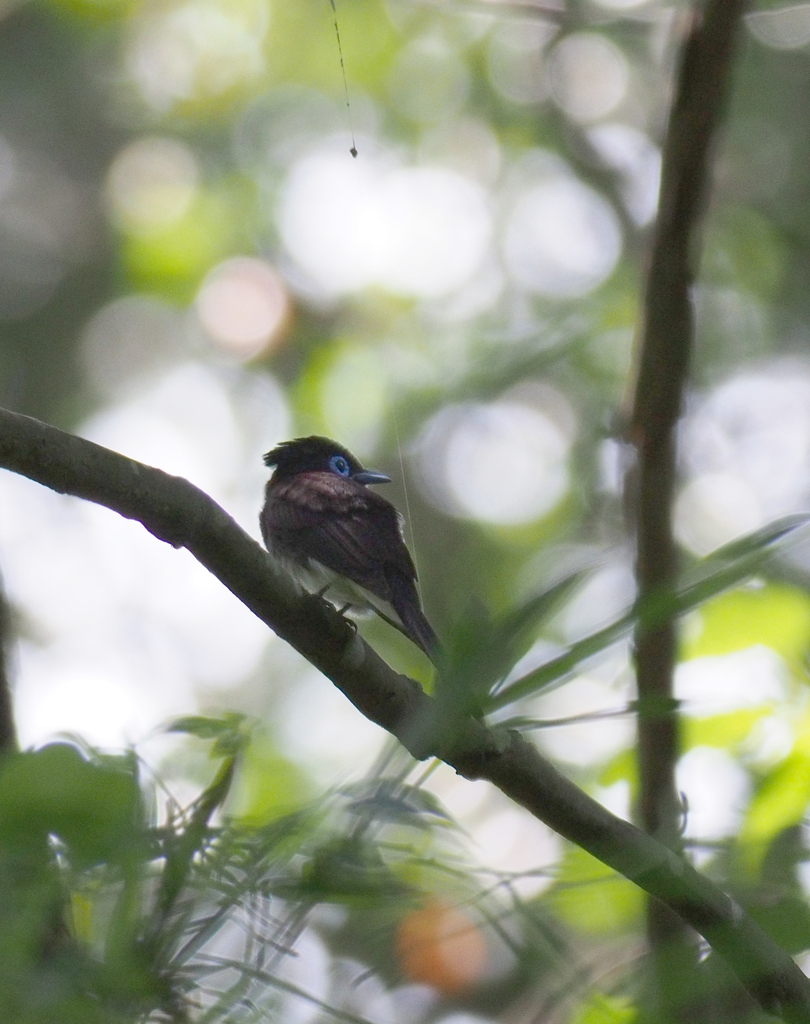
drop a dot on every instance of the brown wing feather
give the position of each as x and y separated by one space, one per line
342 525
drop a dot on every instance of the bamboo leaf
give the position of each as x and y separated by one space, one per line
724 568
482 650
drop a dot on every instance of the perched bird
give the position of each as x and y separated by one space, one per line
337 537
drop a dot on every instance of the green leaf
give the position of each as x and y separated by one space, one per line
784 914
95 809
480 650
757 540
230 732
720 571
388 801
518 628
350 870
269 786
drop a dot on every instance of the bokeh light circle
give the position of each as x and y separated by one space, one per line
415 231
439 224
588 75
196 50
151 184
516 60
638 162
504 463
242 304
428 81
468 146
714 812
129 341
713 508
562 239
746 449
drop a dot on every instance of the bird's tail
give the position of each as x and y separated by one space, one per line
415 625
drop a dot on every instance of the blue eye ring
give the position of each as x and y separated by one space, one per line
339 465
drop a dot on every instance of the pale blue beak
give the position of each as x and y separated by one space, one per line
368 476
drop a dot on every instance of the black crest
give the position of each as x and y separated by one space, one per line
305 454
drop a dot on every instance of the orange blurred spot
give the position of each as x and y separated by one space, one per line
440 946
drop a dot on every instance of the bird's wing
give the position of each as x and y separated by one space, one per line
354 532
370 551
344 526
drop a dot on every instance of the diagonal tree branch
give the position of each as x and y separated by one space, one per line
180 514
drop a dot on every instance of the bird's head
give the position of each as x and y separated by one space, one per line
319 455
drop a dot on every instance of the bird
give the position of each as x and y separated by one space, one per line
340 539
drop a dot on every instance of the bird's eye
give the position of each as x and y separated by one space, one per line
340 466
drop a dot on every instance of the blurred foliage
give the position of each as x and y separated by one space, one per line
111 914
118 903
592 899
